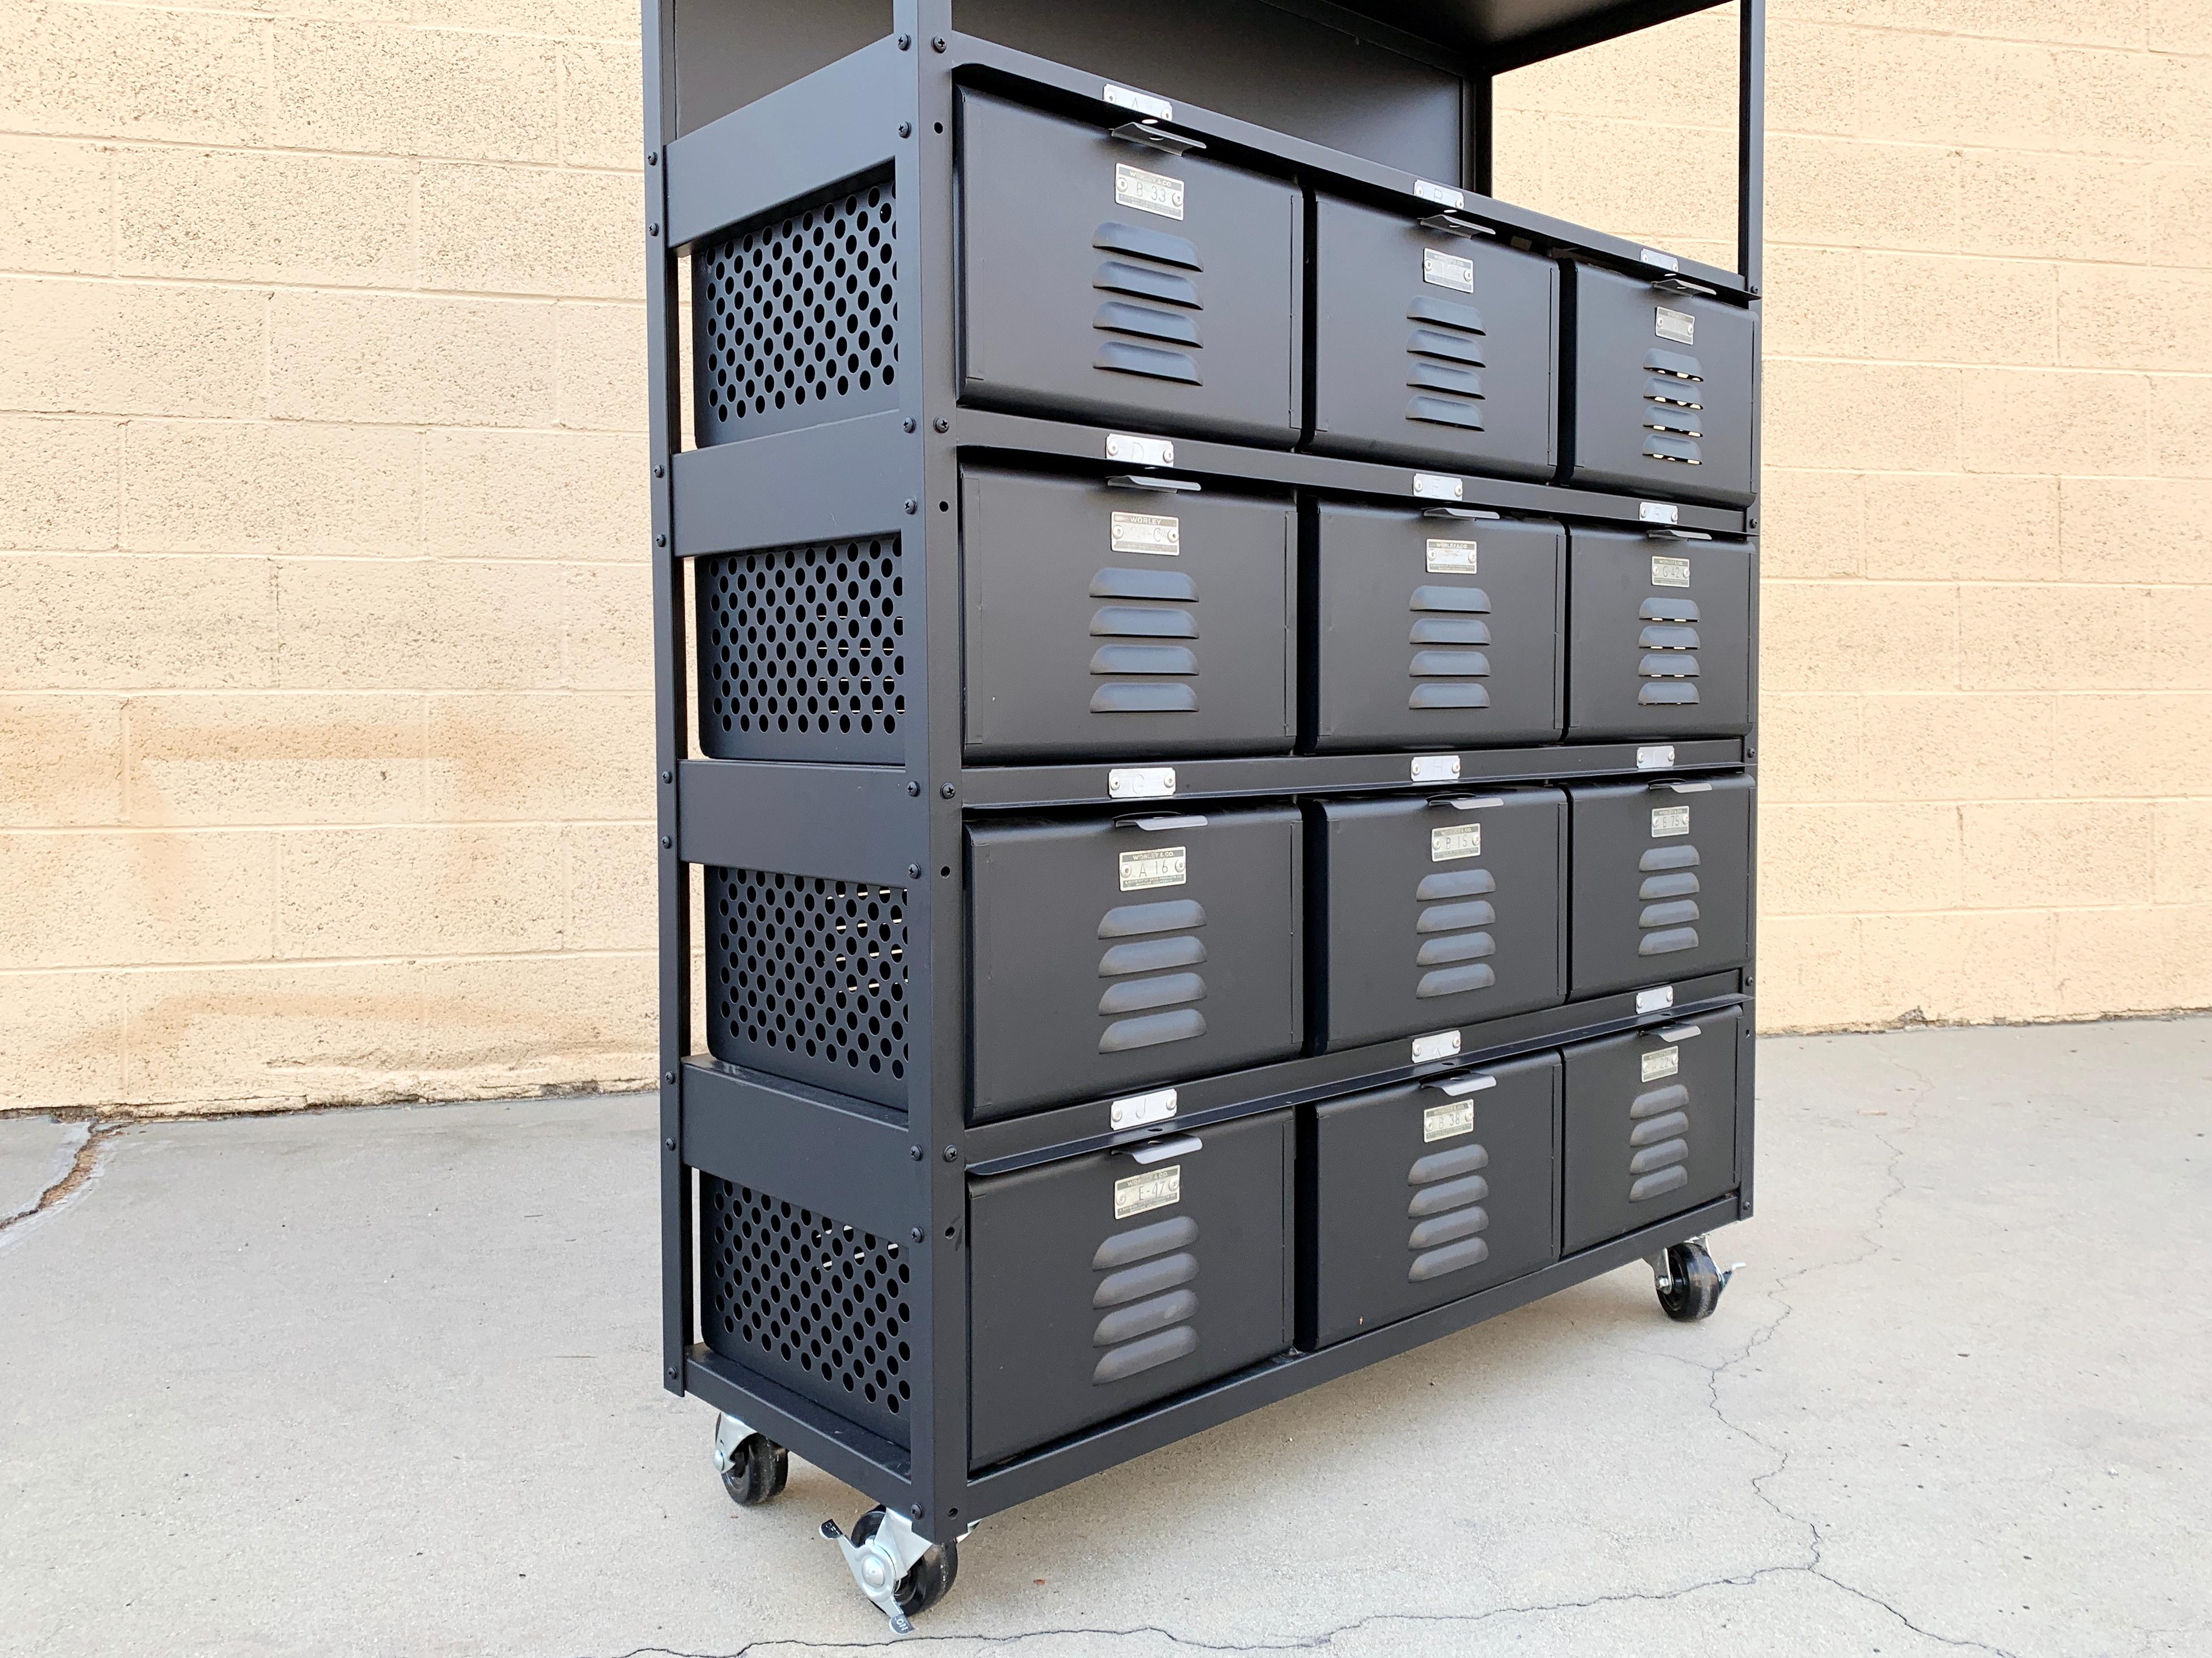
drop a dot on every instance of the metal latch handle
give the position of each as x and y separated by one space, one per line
1455 512
1152 824
1154 1151
1152 133
1139 481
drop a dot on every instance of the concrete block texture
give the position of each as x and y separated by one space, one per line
324 637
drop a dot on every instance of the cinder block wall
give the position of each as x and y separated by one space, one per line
323 710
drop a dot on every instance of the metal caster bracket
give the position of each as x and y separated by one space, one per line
729 1434
1661 1277
879 1564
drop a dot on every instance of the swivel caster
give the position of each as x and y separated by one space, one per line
1689 1283
901 1572
754 1467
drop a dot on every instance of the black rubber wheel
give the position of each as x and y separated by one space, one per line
757 1472
931 1579
1694 1284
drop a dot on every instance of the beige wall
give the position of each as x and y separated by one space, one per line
323 623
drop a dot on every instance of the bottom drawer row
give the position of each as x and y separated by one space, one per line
1114 1280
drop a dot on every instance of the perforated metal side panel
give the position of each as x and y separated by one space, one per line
802 653
815 1305
795 314
807 978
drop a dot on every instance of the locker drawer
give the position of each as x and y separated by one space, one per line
1127 623
1110 282
1663 389
1108 953
1662 883
1434 632
1658 635
1415 1195
1103 1283
1441 912
1650 1125
1432 347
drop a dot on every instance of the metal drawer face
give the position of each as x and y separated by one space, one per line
1415 1195
1663 399
1658 635
1650 1125
1441 912
1432 347
1107 280
1110 953
1124 622
1433 632
1102 1283
1662 882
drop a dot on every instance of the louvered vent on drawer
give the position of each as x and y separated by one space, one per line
1668 896
1448 665
1447 351
1674 416
1140 669
1450 1191
1144 1299
1659 1124
1151 963
1150 315
1452 928
1667 652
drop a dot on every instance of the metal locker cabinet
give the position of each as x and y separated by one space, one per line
1433 631
1658 635
1650 1125
1663 389
1440 912
1431 345
1114 952
1415 1195
1105 1282
1105 279
1133 623
1661 884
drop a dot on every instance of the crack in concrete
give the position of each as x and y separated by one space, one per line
82 1166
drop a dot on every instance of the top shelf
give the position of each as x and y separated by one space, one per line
1506 35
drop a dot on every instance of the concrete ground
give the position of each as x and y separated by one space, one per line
386 1382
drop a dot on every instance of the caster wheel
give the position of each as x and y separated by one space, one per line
757 1471
931 1578
1692 1286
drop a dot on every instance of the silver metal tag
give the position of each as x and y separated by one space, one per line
1140 782
1657 511
1441 195
1668 571
1148 192
1163 867
1435 486
1653 256
1436 768
1143 102
1661 1062
1138 1109
1155 1189
1451 557
1460 841
1441 1122
1139 452
1677 325
1441 1045
1147 532
1670 820
1442 270
1655 756
1652 1001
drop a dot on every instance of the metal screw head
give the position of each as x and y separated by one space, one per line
653 229
906 129
666 842
914 1151
670 1141
668 1076
905 40
942 424
913 871
672 1373
952 1154
661 541
937 43
914 788
946 790
659 472
916 1510
908 423
653 158
668 777
913 506
915 1235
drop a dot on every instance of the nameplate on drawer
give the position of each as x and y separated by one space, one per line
1139 452
1147 532
1143 102
1646 512
1442 1045
1436 768
1650 1001
1436 486
1460 841
1451 557
1677 325
1148 192
1655 756
1441 1122
1670 820
1442 270
1155 1189
1661 1062
1139 1109
1669 571
1140 782
1158 867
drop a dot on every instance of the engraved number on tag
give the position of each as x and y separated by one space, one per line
1451 558
1441 1122
1669 571
1156 1189
1677 326
1661 1062
1147 532
1148 192
1460 841
1442 270
1166 866
1665 821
